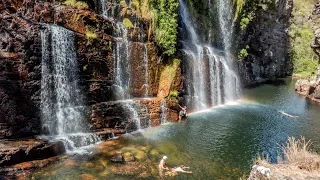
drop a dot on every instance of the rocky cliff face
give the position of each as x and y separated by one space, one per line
20 53
266 37
316 27
311 88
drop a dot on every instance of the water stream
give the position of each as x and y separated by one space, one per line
146 73
62 106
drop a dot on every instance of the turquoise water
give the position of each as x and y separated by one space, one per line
220 143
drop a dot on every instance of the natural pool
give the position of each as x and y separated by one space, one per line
219 143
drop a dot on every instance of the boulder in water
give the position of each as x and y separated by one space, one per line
117 159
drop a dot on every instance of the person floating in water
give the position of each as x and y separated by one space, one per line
182 113
181 169
163 165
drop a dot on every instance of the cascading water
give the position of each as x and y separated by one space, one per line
121 54
210 77
146 73
129 104
122 65
226 22
164 112
104 8
62 108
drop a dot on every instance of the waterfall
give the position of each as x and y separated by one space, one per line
225 14
146 73
121 54
122 64
129 104
104 8
62 107
210 75
164 112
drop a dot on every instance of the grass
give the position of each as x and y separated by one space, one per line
297 152
76 4
299 161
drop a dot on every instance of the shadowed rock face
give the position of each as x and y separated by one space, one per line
268 40
20 74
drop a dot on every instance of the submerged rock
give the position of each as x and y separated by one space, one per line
88 177
117 159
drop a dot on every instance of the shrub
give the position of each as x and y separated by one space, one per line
76 4
243 53
246 20
297 152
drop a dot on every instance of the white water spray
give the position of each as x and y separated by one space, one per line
62 107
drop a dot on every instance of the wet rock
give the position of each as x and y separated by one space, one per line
130 168
128 157
14 152
69 163
309 88
88 177
304 87
105 135
117 159
154 153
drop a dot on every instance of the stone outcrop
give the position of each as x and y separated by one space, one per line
268 41
309 88
316 27
20 74
157 112
14 152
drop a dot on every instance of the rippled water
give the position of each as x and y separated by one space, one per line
219 143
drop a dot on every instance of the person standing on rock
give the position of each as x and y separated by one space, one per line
183 112
163 165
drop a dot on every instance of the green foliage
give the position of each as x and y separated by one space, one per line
246 9
245 20
127 23
243 53
305 61
91 35
76 4
165 24
173 95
